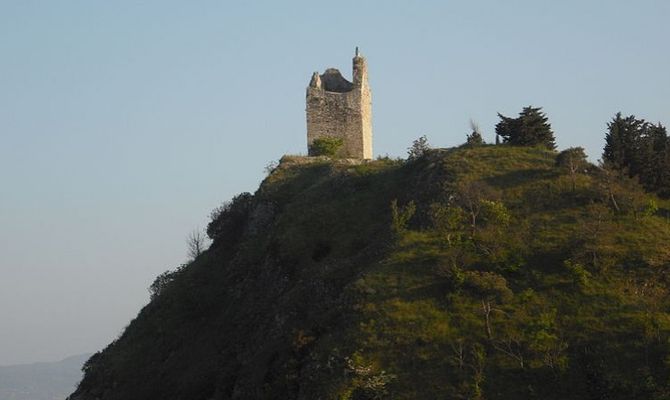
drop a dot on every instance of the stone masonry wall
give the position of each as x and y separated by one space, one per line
339 108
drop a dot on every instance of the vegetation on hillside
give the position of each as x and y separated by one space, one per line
640 150
530 128
479 272
329 146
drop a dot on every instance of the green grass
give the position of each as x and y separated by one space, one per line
327 301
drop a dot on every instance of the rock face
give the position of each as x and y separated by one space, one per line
342 109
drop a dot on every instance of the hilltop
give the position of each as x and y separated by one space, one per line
481 272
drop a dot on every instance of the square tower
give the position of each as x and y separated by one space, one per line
342 109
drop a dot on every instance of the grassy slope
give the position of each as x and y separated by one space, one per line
321 298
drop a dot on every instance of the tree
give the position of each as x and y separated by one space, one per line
639 150
653 158
469 195
491 288
326 146
162 281
474 138
572 160
448 221
531 128
418 149
196 242
228 220
622 141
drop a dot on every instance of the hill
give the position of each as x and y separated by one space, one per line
41 381
467 273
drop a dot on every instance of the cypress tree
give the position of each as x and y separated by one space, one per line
622 142
639 149
654 173
531 128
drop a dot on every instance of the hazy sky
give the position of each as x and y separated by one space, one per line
124 123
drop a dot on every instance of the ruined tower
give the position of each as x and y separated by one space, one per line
342 109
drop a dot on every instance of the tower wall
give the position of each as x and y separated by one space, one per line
343 109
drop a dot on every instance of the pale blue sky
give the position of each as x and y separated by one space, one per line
123 123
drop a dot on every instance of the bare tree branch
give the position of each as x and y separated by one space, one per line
195 242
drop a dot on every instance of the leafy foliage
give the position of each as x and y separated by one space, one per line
556 289
326 146
530 128
574 161
639 149
229 219
418 149
163 281
400 216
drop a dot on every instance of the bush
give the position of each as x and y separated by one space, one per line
229 219
418 149
487 285
162 281
475 138
326 146
572 159
449 221
400 216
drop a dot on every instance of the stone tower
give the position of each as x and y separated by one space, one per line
343 109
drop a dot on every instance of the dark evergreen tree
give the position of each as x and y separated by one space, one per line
640 150
531 128
653 158
622 143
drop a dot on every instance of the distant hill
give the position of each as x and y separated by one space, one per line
41 381
489 272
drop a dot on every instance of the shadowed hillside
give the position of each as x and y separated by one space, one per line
468 273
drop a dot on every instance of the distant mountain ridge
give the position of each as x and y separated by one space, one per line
41 381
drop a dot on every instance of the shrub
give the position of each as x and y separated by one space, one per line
578 273
487 285
475 138
495 212
449 221
326 146
162 281
572 159
418 149
229 219
400 216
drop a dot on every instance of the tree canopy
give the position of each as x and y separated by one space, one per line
530 128
640 150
